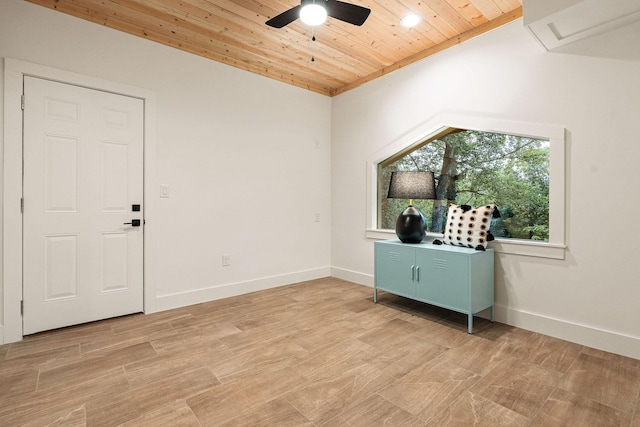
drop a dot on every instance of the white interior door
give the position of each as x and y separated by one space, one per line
83 174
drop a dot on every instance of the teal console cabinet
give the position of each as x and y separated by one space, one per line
451 277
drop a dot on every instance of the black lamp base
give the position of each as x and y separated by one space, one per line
411 226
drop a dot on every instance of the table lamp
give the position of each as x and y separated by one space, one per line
411 225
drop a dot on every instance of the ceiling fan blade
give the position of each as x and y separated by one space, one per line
347 12
285 18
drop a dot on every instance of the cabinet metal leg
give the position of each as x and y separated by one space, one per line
491 314
375 294
470 322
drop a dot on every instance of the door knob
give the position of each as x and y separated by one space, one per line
133 223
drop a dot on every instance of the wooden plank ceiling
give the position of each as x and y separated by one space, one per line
234 32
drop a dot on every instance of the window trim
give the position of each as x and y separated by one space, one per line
556 135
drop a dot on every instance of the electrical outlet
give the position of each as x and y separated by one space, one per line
226 260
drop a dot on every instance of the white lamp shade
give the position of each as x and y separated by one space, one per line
313 14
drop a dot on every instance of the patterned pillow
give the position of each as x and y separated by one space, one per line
468 227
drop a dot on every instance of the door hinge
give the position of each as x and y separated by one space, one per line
21 205
21 307
22 101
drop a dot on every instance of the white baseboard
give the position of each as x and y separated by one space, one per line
183 299
1 334
589 336
352 276
581 334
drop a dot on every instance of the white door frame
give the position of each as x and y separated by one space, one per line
14 70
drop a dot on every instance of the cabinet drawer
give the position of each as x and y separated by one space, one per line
444 279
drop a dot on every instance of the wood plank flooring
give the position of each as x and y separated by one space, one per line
317 353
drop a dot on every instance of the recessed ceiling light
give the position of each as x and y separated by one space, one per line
411 20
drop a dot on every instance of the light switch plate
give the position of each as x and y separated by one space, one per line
164 190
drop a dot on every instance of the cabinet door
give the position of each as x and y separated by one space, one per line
443 279
394 269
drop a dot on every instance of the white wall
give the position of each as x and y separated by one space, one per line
247 158
593 295
228 143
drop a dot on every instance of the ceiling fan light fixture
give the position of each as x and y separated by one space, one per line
410 20
313 14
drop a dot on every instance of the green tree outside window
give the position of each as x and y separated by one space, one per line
477 168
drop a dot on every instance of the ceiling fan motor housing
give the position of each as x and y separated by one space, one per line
320 2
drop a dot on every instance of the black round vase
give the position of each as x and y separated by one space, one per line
411 226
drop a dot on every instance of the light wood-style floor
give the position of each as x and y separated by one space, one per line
312 354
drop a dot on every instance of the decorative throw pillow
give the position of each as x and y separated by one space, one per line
468 227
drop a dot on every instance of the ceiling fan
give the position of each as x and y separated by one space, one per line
347 12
